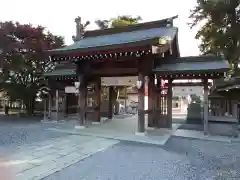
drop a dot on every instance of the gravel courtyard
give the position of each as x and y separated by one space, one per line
14 134
178 159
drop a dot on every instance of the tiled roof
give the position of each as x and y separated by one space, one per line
186 65
122 38
221 83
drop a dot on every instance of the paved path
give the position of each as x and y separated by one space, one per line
120 129
39 160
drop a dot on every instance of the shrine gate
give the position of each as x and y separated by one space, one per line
149 51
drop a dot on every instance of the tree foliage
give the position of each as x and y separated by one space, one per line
117 22
24 60
220 27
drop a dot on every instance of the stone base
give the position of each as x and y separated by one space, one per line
223 129
151 128
49 121
80 127
95 122
104 119
140 133
62 121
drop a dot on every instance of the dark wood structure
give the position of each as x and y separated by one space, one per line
147 50
224 106
61 103
225 96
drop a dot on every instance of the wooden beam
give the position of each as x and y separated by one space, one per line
116 72
188 84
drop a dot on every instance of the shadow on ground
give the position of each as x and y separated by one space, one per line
195 127
19 119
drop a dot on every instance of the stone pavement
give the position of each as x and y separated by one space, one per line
121 129
39 160
114 135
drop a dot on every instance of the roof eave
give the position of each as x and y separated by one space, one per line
156 70
88 50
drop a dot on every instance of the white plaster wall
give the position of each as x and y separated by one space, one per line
187 90
134 97
119 81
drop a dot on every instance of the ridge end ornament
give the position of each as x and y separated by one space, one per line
80 28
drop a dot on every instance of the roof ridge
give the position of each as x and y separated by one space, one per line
129 28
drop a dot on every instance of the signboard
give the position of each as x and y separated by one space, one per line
70 89
119 81
73 90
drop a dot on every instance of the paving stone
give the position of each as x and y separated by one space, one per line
45 159
44 170
67 151
69 158
66 146
22 167
39 154
44 147
36 172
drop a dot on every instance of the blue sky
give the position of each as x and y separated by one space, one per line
58 16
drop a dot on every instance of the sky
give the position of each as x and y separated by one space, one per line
58 16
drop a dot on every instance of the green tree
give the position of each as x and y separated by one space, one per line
114 23
24 61
220 27
118 22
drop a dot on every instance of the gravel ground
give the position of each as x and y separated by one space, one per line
179 159
16 131
14 134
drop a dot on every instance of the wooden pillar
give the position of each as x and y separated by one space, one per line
57 105
49 106
234 106
150 99
125 99
65 105
45 109
82 101
157 103
205 106
162 98
98 99
141 97
78 103
169 104
230 107
110 102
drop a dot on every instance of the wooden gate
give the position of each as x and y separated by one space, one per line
160 109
